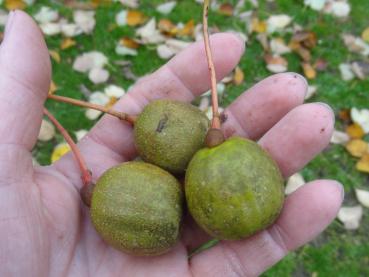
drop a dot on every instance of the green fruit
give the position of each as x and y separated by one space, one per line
234 189
137 208
168 134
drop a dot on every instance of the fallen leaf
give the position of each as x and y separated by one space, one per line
357 147
238 77
258 26
59 151
263 39
350 216
121 18
85 20
46 14
135 18
365 35
89 60
70 29
278 22
307 39
167 7
317 5
340 9
171 47
355 131
310 92
294 182
15 5
355 44
339 137
50 29
188 29
346 72
130 3
125 51
130 43
226 9
363 197
47 131
167 27
361 117
276 64
279 47
114 91
55 55
309 71
344 115
80 134
96 98
361 69
67 43
53 87
363 164
98 75
149 34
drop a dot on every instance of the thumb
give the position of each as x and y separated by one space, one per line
25 72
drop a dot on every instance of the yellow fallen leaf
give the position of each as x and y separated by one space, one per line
135 18
15 5
53 87
59 151
309 71
130 43
258 26
55 55
363 164
357 147
167 27
355 131
67 43
226 9
238 77
365 35
188 29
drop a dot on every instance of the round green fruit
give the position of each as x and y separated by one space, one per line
168 133
136 207
234 190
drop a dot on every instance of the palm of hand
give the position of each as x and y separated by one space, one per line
46 231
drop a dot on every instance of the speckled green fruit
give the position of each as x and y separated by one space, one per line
168 134
234 189
136 207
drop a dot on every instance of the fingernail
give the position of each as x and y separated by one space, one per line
328 108
9 22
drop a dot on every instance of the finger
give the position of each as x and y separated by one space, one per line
306 213
24 80
299 136
182 78
258 109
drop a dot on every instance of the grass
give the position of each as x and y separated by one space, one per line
337 252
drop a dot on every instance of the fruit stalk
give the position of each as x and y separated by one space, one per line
86 174
214 93
122 116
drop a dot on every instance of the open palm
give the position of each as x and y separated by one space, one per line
46 231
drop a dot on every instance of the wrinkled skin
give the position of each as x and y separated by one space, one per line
46 231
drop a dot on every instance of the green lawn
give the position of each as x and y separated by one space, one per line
337 252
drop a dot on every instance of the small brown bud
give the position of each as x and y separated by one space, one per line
86 194
214 137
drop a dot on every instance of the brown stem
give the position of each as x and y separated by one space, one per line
122 116
214 94
86 174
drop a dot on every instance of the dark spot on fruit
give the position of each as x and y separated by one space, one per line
161 124
223 117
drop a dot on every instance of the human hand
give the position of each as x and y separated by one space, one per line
46 231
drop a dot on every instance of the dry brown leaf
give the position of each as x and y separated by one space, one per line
357 147
258 26
15 5
307 39
67 43
365 35
238 77
309 71
188 29
344 115
130 43
55 55
355 131
363 164
276 64
226 9
167 27
53 87
135 18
